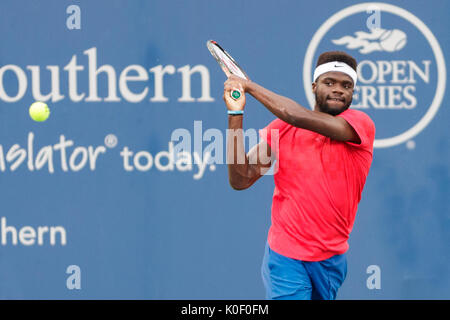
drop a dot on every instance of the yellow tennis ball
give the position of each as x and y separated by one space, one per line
39 111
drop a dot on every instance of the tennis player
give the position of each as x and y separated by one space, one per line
322 157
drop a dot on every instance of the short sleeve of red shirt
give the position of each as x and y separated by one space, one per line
363 125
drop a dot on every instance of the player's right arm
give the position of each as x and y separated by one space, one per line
243 169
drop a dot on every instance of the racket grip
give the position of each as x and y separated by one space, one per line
235 94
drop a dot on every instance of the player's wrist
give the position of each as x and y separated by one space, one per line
249 86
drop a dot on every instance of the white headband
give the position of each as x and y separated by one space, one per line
335 66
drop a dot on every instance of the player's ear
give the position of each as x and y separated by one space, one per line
314 86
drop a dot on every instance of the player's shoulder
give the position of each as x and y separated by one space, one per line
360 115
356 112
279 124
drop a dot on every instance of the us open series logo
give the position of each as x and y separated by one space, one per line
401 68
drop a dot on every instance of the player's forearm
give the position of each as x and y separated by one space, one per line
283 108
237 160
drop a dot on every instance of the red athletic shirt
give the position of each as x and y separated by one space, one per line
318 185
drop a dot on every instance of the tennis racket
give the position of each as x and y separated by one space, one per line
227 63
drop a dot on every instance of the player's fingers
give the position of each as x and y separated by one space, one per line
234 77
228 82
228 101
238 79
232 85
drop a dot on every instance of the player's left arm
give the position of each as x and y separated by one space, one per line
295 114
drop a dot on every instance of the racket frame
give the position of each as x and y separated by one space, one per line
234 94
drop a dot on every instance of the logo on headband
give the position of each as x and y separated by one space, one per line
401 68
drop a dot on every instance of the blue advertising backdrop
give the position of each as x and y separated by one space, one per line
96 206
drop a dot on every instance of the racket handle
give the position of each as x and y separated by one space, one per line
235 94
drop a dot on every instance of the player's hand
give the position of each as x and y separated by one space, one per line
234 83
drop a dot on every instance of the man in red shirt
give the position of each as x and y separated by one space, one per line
322 158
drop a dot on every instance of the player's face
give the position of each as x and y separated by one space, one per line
334 92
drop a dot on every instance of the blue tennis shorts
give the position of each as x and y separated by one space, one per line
290 279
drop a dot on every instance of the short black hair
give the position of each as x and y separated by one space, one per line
340 56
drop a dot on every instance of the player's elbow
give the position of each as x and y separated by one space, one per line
241 179
238 183
238 186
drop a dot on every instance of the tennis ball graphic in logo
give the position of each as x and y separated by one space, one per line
392 40
39 111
